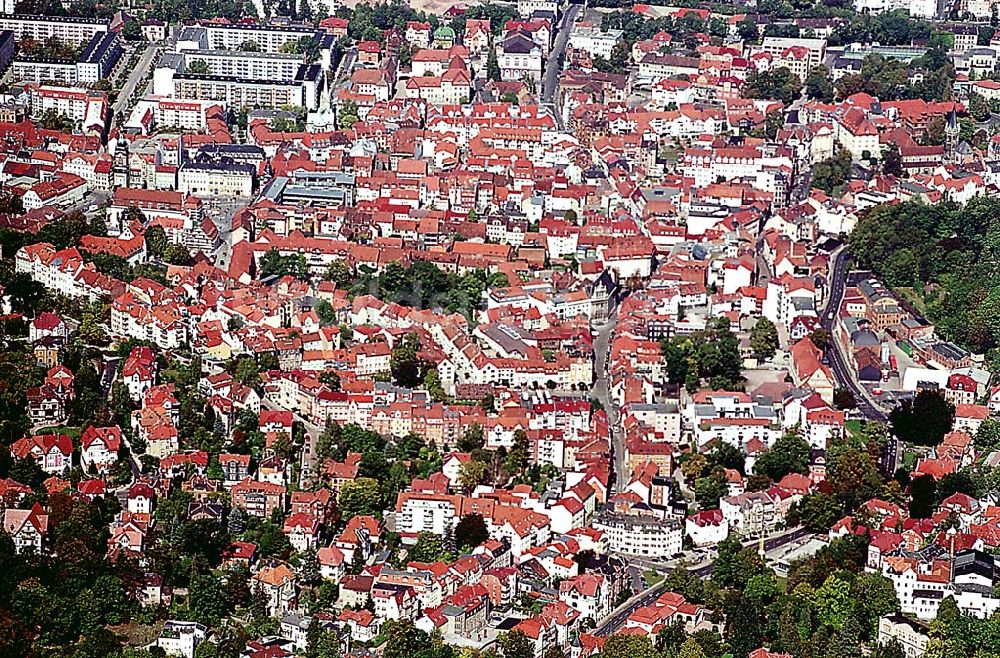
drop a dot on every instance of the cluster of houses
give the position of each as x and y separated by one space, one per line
575 235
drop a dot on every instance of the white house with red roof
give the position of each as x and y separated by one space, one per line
332 563
968 417
451 466
139 371
857 134
418 34
707 527
589 594
26 527
302 531
362 624
47 324
141 499
823 425
52 452
99 447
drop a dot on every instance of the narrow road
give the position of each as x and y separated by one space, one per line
838 363
344 66
312 432
552 68
616 620
134 78
600 390
553 63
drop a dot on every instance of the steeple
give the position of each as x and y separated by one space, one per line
951 132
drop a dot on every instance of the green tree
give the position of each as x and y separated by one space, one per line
492 66
875 597
691 649
988 435
197 66
819 85
710 489
789 454
748 30
471 531
427 549
711 355
780 84
403 639
924 420
206 600
892 161
246 372
360 497
818 511
627 646
405 363
514 644
472 474
471 439
923 497
325 313
979 108
178 254
156 241
764 339
347 114
273 263
832 172
340 273
834 602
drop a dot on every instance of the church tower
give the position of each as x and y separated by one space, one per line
120 166
951 132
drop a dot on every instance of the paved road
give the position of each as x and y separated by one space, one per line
702 570
108 373
133 79
602 351
550 83
838 363
551 79
344 66
312 431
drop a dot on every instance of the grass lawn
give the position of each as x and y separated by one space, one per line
138 635
652 576
71 432
853 427
909 460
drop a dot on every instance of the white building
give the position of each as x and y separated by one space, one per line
216 179
181 638
417 513
910 635
644 536
594 40
528 7
64 28
917 8
519 58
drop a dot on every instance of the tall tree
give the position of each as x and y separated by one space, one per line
764 339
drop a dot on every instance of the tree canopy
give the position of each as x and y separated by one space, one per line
948 254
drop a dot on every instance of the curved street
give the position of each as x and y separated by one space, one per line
838 363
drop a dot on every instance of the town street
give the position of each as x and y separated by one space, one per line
137 74
602 354
838 282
